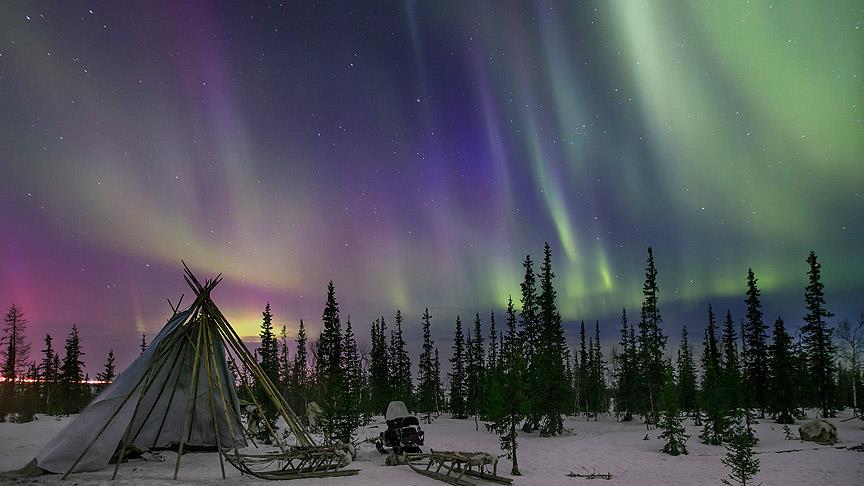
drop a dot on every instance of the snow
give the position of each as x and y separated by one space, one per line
604 446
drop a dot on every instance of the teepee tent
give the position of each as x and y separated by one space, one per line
180 394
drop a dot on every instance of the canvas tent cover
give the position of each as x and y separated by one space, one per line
159 419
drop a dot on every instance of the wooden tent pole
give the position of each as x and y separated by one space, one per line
170 397
150 379
290 418
225 405
159 395
230 359
258 404
210 388
189 401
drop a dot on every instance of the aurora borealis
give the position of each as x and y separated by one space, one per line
414 152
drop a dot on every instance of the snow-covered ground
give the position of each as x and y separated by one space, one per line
604 446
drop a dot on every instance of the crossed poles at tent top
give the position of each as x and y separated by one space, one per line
202 322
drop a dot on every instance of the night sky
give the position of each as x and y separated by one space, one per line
414 152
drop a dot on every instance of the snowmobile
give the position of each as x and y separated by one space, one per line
403 432
404 438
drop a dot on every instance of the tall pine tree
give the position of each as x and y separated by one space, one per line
652 343
72 389
597 375
49 368
583 372
351 414
816 336
379 368
439 384
457 373
400 364
13 349
529 334
493 398
550 354
755 365
329 373
782 377
627 370
686 376
268 353
284 361
426 399
731 374
299 378
474 370
512 365
712 399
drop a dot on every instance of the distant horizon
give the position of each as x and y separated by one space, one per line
675 314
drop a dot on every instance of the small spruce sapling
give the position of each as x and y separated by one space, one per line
740 458
670 421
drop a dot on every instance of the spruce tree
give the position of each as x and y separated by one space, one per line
439 385
492 396
715 425
14 350
597 374
299 372
457 373
379 368
740 458
474 370
492 356
686 375
328 370
107 375
652 343
426 399
143 344
755 366
781 373
267 352
529 334
802 376
816 336
72 391
49 368
550 354
674 432
731 374
400 364
582 372
512 365
351 414
627 373
284 361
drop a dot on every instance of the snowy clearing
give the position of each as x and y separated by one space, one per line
606 446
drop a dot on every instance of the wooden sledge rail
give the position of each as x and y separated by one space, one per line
452 467
303 462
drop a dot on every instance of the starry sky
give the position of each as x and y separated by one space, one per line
414 152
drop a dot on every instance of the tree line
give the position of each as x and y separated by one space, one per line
522 376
